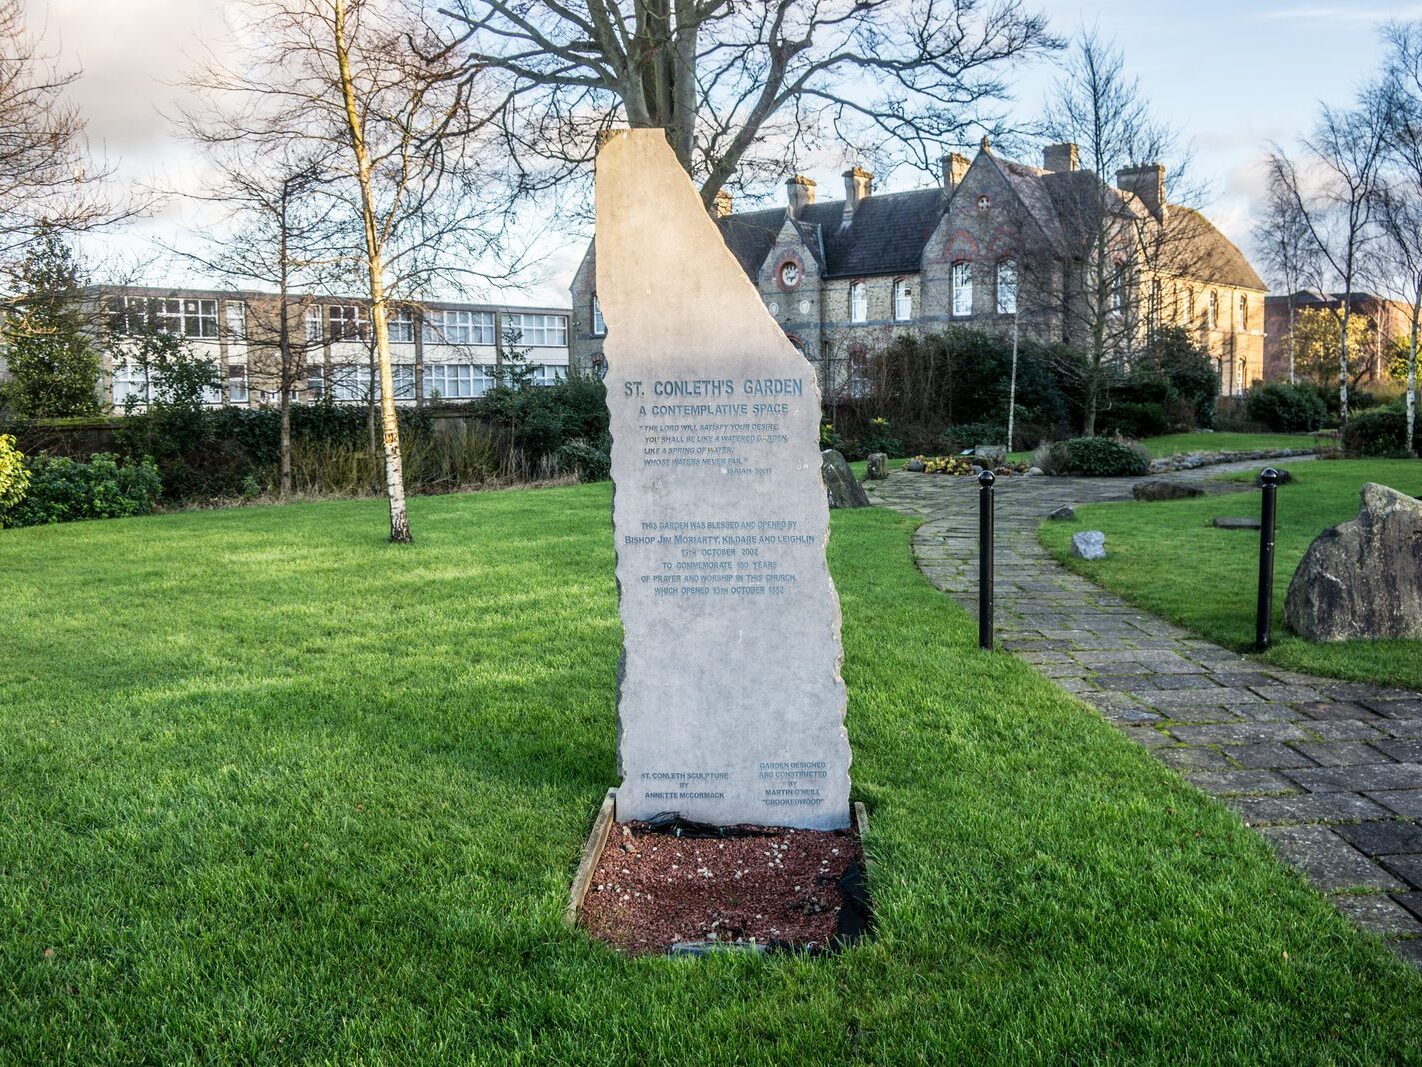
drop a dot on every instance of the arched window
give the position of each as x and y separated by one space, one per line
1007 287
903 299
1154 310
1243 312
1190 306
1212 310
599 327
962 288
1118 287
858 302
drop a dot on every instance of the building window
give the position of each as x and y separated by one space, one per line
1153 311
984 202
346 322
237 384
348 382
539 331
236 312
184 318
402 326
548 374
450 381
1190 306
403 376
857 380
315 385
903 300
314 330
130 383
1212 310
858 302
1117 299
452 327
962 288
599 326
1244 313
199 318
1007 287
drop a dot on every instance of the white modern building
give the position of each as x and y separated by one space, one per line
442 351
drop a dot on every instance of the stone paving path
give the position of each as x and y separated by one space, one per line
1329 771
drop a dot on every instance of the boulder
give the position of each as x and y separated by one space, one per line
1063 514
843 488
1035 472
914 466
1362 578
1236 522
1089 544
878 466
1160 489
990 456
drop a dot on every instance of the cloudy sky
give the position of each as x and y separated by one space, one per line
1232 75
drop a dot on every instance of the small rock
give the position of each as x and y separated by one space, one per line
1236 522
878 466
990 455
914 465
1159 489
1089 544
1036 472
1063 514
842 487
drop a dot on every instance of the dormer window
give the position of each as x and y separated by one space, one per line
858 302
903 300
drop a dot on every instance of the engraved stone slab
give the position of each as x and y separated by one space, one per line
730 702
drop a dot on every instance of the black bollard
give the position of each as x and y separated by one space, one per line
985 552
1264 612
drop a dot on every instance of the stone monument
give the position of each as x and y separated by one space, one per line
730 702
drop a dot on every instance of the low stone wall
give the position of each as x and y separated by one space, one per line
1194 460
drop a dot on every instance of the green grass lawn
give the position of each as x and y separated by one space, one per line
1174 443
1167 558
276 790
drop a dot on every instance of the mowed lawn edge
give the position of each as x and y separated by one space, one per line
276 790
1168 559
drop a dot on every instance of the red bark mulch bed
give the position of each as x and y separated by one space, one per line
760 886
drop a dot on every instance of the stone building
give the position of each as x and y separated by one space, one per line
441 350
1387 319
997 243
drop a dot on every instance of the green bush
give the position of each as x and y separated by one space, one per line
589 462
1134 419
14 478
1285 408
1095 457
539 420
1380 432
971 434
65 490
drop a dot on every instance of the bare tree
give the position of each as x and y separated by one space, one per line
1285 249
1399 198
1114 246
374 91
1336 209
48 181
280 230
741 88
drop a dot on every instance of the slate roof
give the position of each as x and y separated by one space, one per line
888 231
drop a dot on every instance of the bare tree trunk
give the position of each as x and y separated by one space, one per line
287 372
1412 375
1012 383
1343 365
1292 350
394 476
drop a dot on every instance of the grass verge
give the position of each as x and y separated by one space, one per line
277 790
1168 559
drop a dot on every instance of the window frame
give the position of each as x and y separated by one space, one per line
599 324
1007 307
903 299
858 302
960 282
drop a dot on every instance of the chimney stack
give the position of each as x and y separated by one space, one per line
1148 183
800 194
722 204
955 167
858 186
1059 157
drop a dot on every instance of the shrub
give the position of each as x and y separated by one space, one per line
1286 408
14 478
878 436
65 490
1379 433
588 462
1096 457
539 420
1131 419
